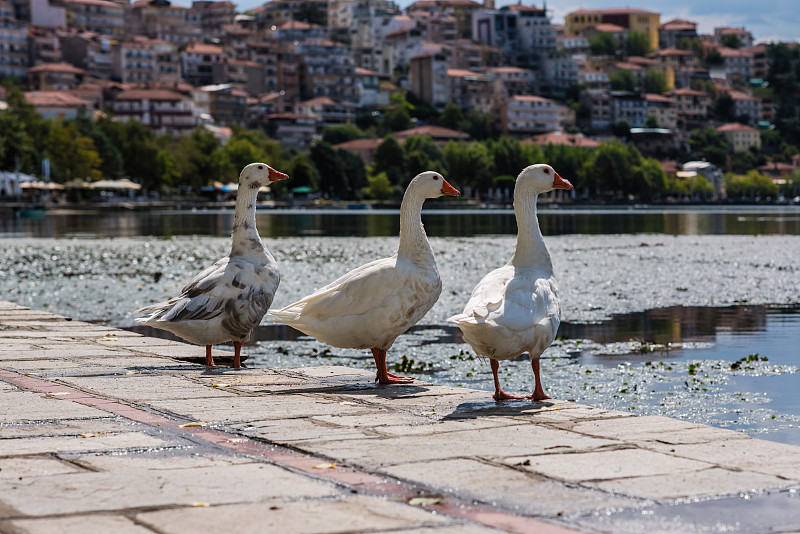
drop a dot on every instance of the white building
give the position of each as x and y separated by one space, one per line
526 115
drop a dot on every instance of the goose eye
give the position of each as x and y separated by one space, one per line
435 177
547 171
260 167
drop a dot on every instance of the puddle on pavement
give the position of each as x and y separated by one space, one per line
733 367
776 511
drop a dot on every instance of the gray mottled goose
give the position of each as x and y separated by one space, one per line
227 301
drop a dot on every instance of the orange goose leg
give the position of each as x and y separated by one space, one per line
384 377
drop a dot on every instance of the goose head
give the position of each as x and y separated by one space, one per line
539 179
257 175
431 184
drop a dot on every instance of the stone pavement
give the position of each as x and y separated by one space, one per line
104 430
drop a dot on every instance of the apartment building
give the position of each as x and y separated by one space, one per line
745 105
663 108
634 20
736 64
428 78
58 104
676 30
693 106
463 11
326 111
524 33
526 115
165 21
512 80
99 16
598 104
326 69
89 51
197 62
471 90
162 110
213 16
227 105
628 106
55 76
14 47
744 36
247 75
740 137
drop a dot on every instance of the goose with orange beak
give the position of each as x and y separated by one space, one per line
227 301
370 306
516 309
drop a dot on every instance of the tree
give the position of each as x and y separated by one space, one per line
302 172
724 107
341 133
714 58
390 158
379 187
731 40
452 116
603 44
478 125
622 129
708 144
242 152
638 44
468 164
111 165
333 179
622 80
655 82
73 155
353 167
651 122
508 156
398 116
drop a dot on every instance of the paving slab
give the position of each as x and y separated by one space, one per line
353 514
81 524
102 430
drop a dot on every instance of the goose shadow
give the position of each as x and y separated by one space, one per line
477 409
360 389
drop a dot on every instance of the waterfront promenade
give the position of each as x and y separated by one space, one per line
104 430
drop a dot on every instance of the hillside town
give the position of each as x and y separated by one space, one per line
359 75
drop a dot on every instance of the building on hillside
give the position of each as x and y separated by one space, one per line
664 110
99 16
88 51
43 14
293 129
471 90
440 136
258 108
736 64
370 93
740 137
635 20
247 75
693 107
654 141
326 111
14 48
597 103
745 105
145 60
513 81
745 37
213 16
58 105
675 32
197 62
463 11
524 33
227 105
628 106
428 78
55 76
165 111
164 21
561 139
45 46
526 115
276 12
326 69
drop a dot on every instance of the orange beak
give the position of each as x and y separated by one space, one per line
560 183
274 175
449 190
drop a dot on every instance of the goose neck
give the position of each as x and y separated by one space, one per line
246 241
413 240
531 250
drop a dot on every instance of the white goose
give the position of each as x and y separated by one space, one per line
369 307
227 301
515 308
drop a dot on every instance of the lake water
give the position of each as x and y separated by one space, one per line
691 346
725 220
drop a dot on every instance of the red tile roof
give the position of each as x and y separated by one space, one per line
55 99
432 131
64 68
150 94
560 138
736 127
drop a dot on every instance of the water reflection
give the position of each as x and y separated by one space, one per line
749 220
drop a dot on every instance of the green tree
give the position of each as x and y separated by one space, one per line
398 116
353 167
302 172
622 80
708 144
73 155
508 156
468 164
603 44
714 58
333 180
751 185
655 82
452 116
478 125
724 107
638 44
622 129
379 187
390 158
731 40
241 152
166 169
651 122
341 133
